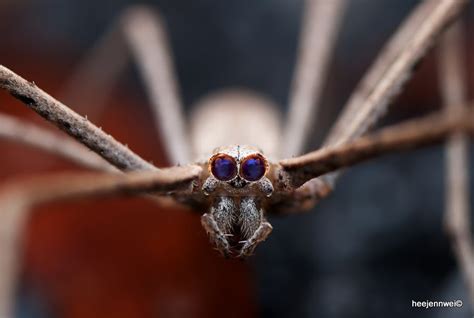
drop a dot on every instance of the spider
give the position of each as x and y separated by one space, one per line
227 160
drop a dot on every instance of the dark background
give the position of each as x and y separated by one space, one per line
371 248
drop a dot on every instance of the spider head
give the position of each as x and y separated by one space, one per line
237 188
237 165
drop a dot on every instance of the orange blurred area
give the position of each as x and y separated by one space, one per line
123 257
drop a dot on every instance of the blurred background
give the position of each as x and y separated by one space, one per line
371 248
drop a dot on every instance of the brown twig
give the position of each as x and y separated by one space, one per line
18 130
321 24
393 68
72 123
408 135
452 76
17 198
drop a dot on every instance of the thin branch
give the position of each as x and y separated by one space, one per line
452 76
19 196
75 125
408 135
17 130
393 68
321 24
141 30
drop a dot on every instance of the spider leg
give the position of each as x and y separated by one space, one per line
19 196
408 135
457 209
29 134
21 131
140 30
92 80
260 235
393 68
72 123
321 23
378 87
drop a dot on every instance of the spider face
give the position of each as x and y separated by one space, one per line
237 189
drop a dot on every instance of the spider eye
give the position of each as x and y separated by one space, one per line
253 168
223 167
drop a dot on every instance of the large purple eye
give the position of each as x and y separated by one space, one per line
223 167
253 168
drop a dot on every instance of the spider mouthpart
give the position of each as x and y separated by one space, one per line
223 167
253 167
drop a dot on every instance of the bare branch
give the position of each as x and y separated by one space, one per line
452 63
318 37
141 30
18 130
393 68
408 135
17 197
72 123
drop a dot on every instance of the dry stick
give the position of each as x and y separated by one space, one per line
19 196
452 76
321 24
408 135
140 30
75 125
393 68
18 130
